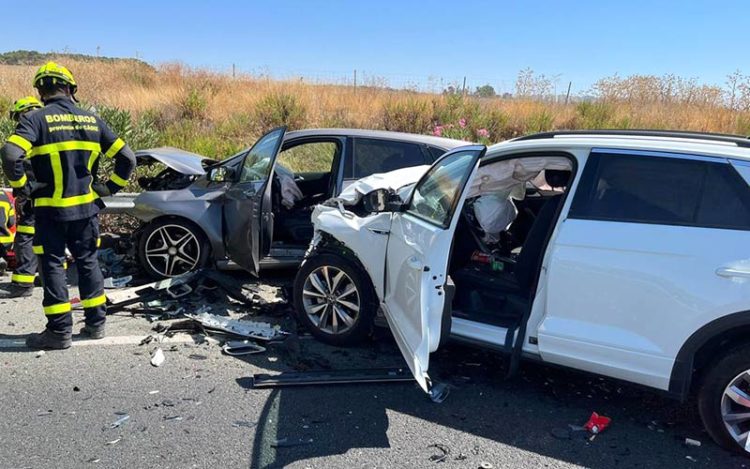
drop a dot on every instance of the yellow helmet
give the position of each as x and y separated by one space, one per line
24 104
54 73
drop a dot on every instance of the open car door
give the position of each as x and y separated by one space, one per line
248 220
417 257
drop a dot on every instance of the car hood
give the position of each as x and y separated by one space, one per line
393 180
184 162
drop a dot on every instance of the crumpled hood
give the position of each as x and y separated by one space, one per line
393 180
184 162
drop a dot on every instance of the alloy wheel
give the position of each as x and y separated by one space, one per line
735 409
331 299
172 250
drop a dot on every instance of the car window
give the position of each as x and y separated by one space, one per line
311 157
257 163
372 156
436 152
435 197
662 190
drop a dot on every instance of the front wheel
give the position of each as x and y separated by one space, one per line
724 400
172 247
334 299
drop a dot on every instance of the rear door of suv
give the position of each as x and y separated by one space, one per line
654 246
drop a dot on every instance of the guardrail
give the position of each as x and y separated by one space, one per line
118 203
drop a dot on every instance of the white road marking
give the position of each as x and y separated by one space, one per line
114 340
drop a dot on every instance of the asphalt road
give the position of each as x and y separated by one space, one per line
199 410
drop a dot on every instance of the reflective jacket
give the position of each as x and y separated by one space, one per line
7 219
63 144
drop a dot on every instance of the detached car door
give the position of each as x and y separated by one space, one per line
417 256
248 221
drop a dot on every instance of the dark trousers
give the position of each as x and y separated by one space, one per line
26 260
80 237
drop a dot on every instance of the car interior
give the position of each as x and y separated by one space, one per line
302 179
501 237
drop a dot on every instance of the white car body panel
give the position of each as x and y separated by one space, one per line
416 265
366 236
392 180
624 297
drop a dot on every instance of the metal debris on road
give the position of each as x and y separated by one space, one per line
444 453
374 375
113 442
119 421
157 357
286 443
120 282
176 418
237 348
249 329
244 423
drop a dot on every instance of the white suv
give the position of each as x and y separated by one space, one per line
622 253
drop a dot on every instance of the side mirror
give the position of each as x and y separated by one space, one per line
219 174
382 200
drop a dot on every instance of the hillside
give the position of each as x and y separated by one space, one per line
32 57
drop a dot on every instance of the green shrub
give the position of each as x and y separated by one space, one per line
194 104
409 115
540 121
594 115
277 109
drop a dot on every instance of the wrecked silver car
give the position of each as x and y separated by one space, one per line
252 210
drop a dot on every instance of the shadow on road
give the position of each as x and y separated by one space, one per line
531 412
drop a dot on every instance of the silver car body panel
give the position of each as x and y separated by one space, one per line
185 162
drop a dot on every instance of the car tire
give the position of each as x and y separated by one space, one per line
172 246
334 300
715 403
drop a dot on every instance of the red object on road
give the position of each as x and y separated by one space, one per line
597 423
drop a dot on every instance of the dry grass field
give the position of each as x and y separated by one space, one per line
216 115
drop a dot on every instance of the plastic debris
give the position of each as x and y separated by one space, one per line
119 421
485 465
249 329
692 442
690 458
176 418
40 353
154 392
597 423
439 392
113 442
157 357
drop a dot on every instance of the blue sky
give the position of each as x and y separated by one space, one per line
486 41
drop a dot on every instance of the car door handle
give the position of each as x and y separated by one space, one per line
414 263
732 272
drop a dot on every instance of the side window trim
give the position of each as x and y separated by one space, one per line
662 154
742 168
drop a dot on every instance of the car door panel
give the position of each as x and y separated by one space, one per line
248 219
624 296
417 260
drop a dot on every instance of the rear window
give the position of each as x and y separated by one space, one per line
372 156
662 190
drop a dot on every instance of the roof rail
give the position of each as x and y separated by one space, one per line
738 140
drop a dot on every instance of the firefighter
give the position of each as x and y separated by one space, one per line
22 280
64 143
7 220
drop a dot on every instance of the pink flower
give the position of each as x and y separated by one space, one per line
462 122
483 133
438 131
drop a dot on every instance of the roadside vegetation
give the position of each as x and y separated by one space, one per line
217 115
